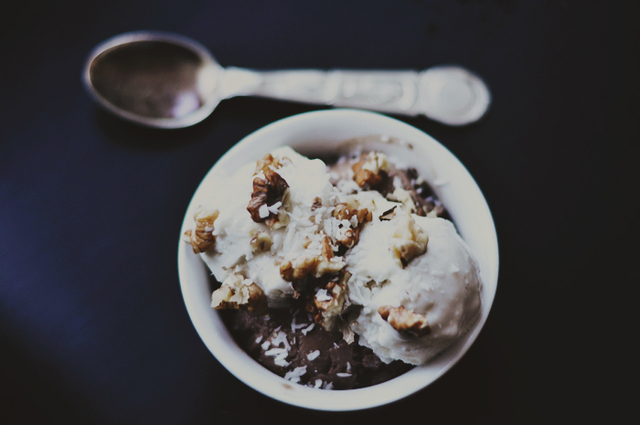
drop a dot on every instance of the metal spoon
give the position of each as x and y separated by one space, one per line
165 80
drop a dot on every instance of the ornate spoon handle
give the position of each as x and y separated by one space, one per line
449 94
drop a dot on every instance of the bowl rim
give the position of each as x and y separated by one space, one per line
214 335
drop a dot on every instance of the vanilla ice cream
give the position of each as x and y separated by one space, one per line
238 249
356 250
442 285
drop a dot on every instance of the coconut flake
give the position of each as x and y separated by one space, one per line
276 351
279 355
295 326
307 329
295 374
281 338
322 295
273 209
313 355
263 211
354 221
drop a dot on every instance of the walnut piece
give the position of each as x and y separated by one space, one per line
267 192
404 320
270 162
408 240
370 169
307 264
201 238
236 292
349 235
343 211
261 242
317 203
406 198
328 302
388 215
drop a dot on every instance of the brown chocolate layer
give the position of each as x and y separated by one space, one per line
329 360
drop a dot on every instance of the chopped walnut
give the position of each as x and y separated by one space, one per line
269 162
370 169
406 198
388 215
348 334
201 238
343 211
348 236
261 242
408 240
236 292
404 320
307 264
267 192
298 269
317 203
328 302
433 207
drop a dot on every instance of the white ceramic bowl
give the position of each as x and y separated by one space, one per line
325 131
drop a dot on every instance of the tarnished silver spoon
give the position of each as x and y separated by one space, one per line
165 80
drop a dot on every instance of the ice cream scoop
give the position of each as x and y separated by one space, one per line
248 246
440 289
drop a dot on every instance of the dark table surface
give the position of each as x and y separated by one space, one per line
93 328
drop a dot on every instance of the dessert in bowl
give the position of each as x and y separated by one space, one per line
373 315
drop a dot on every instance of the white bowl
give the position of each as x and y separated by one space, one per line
325 131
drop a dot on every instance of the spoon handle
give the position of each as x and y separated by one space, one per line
448 94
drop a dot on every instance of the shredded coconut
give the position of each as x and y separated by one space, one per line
307 329
313 355
322 295
281 338
354 221
279 356
295 326
274 208
263 211
295 374
276 351
343 375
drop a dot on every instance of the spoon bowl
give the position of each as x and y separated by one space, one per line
155 79
165 80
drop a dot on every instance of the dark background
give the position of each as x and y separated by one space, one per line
93 328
